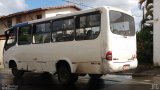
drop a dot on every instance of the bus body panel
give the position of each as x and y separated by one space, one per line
116 66
43 57
123 47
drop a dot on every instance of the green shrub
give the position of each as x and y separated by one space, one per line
145 46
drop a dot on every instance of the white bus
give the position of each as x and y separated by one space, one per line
95 42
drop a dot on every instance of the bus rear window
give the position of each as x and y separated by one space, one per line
121 24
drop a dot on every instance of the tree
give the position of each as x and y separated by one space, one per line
145 46
147 12
145 35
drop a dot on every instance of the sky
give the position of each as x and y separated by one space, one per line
12 6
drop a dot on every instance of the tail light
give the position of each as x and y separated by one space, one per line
109 55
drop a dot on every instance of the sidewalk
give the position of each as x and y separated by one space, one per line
141 71
148 72
5 70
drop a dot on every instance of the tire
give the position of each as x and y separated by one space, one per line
65 76
17 73
95 76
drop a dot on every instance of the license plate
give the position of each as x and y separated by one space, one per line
126 67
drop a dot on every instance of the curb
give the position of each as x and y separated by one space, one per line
4 69
137 75
143 75
157 75
123 74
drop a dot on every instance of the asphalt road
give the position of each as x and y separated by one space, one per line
32 81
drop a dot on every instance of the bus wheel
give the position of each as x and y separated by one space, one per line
95 76
65 76
17 73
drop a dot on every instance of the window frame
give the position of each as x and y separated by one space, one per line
9 22
30 26
18 19
124 31
59 19
7 46
87 14
34 31
39 16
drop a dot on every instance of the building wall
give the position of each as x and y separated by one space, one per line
1 52
2 26
32 16
25 17
156 34
51 13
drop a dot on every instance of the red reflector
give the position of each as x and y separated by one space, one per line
109 55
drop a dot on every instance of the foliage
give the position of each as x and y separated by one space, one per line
147 11
145 45
145 36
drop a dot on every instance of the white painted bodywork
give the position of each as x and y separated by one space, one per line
87 56
52 13
156 33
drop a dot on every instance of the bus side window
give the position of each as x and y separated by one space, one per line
24 35
63 30
11 38
88 26
42 33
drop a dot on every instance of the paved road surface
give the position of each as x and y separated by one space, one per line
32 81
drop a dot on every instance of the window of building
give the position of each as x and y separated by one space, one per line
42 33
19 19
24 35
88 26
9 22
39 16
63 30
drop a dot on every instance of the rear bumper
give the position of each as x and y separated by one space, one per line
116 66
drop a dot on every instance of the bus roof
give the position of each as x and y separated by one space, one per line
17 25
70 14
20 24
79 12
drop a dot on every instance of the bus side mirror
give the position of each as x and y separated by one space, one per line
6 34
